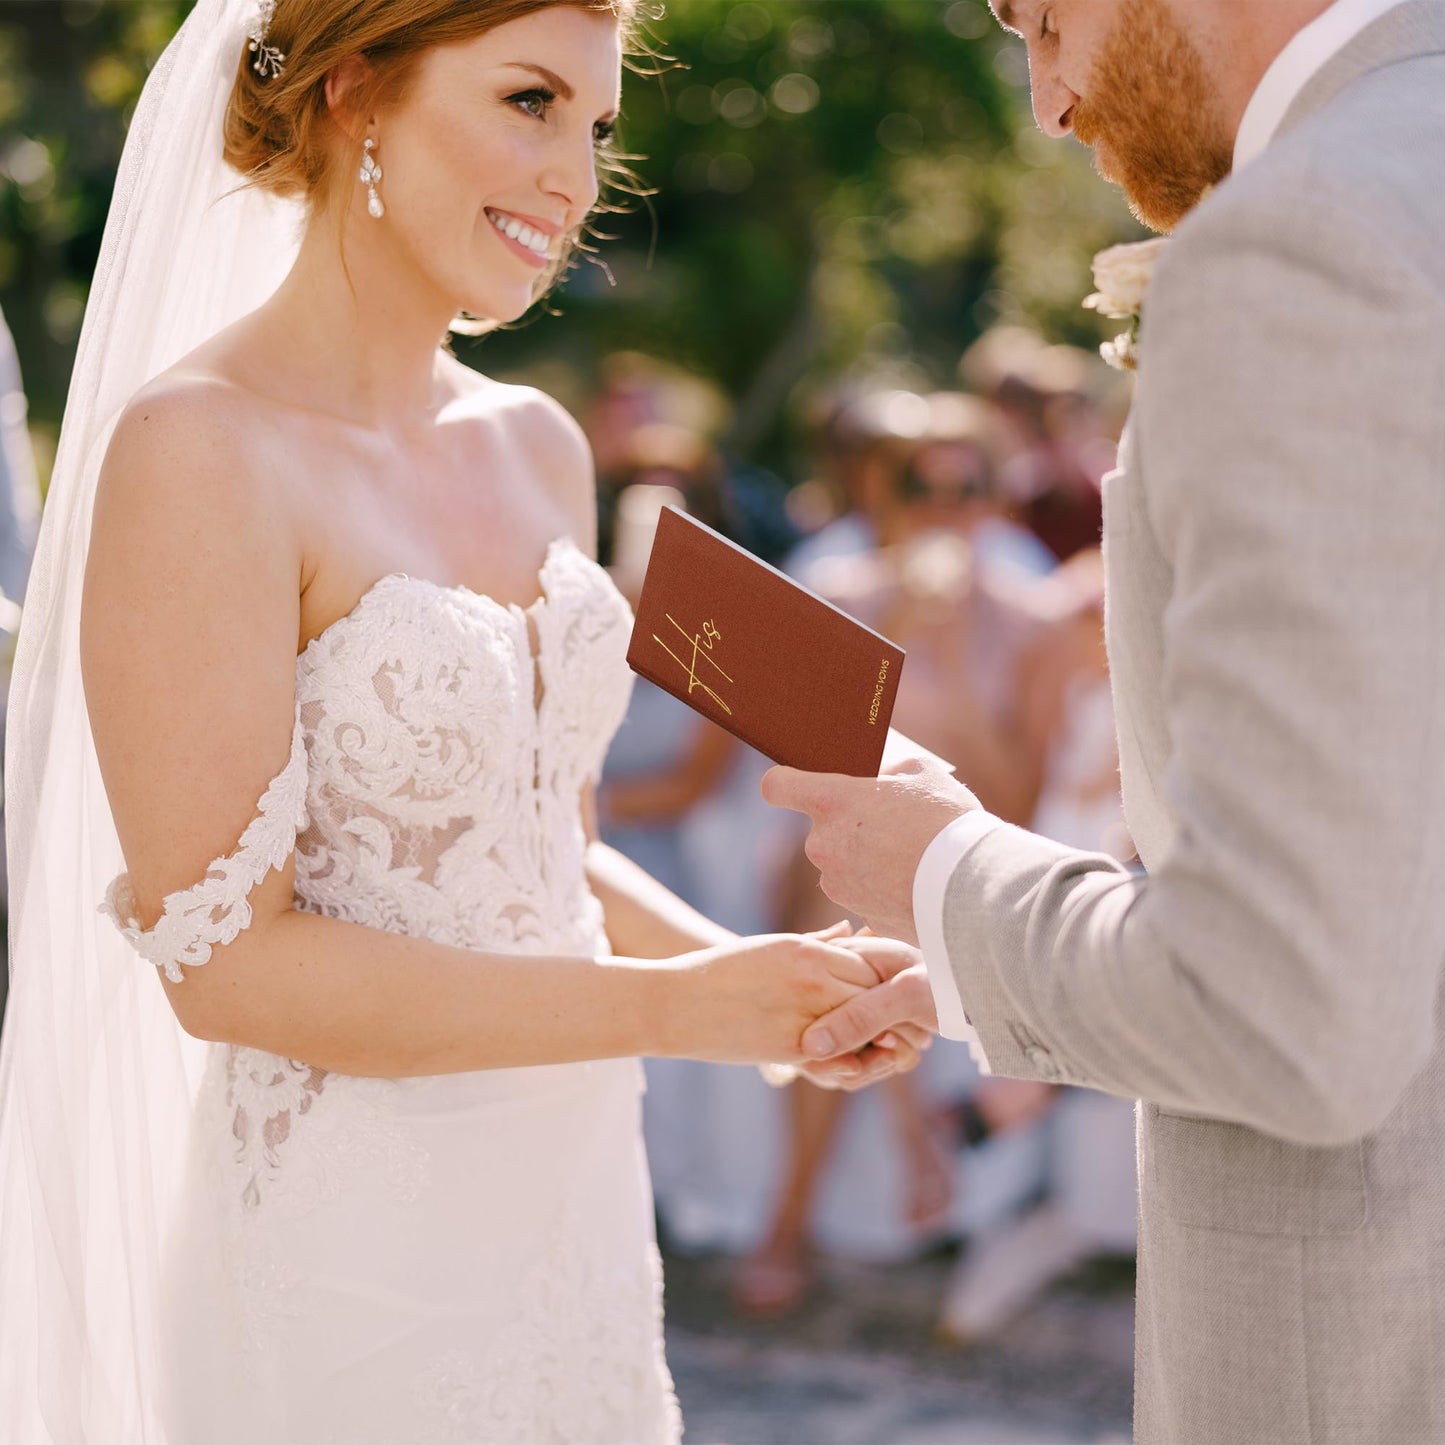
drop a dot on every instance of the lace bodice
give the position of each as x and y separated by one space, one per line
440 746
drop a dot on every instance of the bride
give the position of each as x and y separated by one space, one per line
366 1166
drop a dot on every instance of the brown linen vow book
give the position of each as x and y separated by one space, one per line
768 660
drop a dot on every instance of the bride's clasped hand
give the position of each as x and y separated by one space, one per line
751 1001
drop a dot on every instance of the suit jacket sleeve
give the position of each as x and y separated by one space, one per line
1279 967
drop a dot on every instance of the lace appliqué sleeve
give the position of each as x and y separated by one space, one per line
213 911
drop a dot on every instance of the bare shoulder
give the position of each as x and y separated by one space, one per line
190 445
191 537
549 440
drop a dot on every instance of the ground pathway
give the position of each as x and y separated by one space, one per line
860 1365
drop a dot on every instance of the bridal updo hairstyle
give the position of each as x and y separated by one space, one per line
278 132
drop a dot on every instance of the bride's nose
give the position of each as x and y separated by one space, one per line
571 175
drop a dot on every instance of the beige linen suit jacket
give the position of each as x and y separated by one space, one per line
1272 990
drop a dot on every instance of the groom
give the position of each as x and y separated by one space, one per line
1275 550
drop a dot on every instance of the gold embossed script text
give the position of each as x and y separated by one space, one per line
695 649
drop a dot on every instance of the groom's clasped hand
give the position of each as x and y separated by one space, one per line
872 1034
866 840
761 994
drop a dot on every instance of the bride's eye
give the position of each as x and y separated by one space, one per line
535 102
604 131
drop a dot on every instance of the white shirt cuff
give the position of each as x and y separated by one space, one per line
930 883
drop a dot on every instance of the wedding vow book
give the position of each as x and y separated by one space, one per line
763 657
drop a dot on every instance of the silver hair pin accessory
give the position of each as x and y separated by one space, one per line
370 174
267 63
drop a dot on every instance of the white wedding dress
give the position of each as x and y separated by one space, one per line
461 1258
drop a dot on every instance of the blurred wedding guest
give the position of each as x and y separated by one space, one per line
663 454
19 489
1089 1205
665 761
1061 442
959 467
717 1142
1065 698
636 391
19 520
967 629
967 611
627 397
854 438
665 757
885 455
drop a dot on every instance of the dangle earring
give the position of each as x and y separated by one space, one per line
370 174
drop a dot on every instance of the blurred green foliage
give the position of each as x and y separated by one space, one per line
70 73
839 184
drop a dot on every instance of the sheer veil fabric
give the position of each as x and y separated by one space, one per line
96 1077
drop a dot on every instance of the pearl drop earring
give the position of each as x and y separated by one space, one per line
370 174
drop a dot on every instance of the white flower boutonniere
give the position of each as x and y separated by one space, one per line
1121 281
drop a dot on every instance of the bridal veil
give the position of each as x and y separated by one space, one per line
96 1076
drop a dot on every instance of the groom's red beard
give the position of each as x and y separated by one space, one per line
1151 116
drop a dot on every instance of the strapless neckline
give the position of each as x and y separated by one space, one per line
448 589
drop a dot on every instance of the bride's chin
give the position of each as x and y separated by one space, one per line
500 310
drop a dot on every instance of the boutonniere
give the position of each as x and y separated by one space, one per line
1121 281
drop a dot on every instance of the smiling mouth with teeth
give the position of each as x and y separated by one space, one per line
537 242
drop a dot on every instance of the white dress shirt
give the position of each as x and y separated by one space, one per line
1293 68
1296 65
